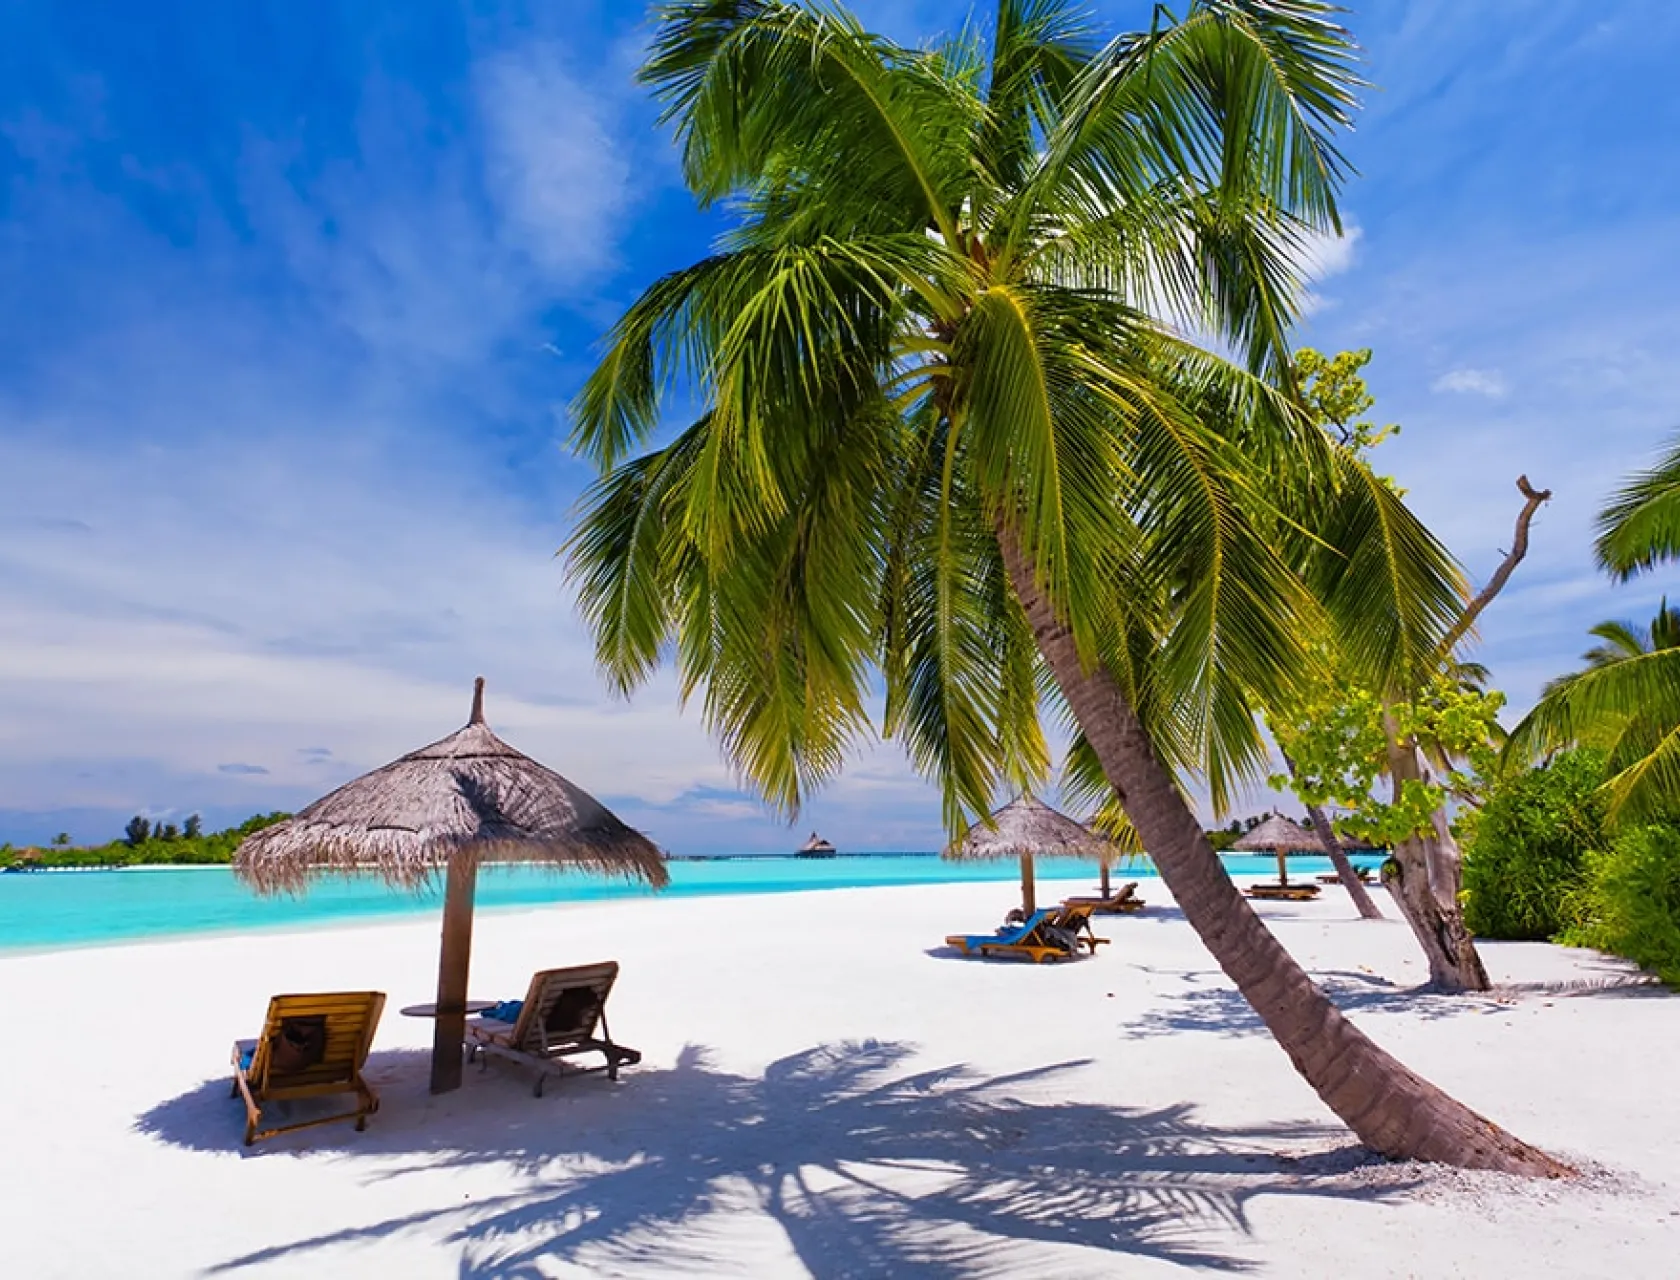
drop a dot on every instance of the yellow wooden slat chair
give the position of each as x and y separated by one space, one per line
564 1013
311 1046
1026 941
1075 918
1122 900
1283 892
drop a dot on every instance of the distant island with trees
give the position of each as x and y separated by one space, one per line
167 844
144 843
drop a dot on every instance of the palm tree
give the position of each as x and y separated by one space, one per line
1627 701
1641 524
1624 703
1621 641
947 439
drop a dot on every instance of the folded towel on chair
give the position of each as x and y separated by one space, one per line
506 1011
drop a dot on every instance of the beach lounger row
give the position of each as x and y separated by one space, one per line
316 1045
1283 892
1052 933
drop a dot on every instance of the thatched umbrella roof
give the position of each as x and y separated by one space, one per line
1281 836
469 795
462 802
1024 827
1277 834
1028 825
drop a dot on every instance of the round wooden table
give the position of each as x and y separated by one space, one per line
431 1010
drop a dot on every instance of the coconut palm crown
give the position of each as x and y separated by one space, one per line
1627 701
954 443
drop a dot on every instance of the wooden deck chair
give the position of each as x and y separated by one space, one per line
311 1046
1284 892
1123 899
1028 940
560 1017
1075 918
1361 874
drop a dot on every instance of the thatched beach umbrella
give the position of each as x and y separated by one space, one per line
1123 840
465 801
1278 835
1022 828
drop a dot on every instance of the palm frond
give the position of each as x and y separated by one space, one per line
1039 48
1621 640
1392 591
622 557
1600 701
1641 523
1226 119
959 659
1647 789
764 94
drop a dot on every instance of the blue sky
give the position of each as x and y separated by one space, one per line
293 309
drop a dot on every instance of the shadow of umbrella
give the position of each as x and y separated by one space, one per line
867 1169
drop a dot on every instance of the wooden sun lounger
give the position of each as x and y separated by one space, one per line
1360 873
1123 899
1028 940
558 1019
311 1046
1284 892
1075 917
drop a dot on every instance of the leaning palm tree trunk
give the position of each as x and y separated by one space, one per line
1391 1109
1368 909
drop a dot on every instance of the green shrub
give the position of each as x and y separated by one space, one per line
1525 855
1630 905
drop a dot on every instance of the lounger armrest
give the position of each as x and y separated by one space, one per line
491 1031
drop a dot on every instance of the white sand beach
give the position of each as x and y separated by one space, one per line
827 1092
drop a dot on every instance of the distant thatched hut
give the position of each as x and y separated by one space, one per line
1278 835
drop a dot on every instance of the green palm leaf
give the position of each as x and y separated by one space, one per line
1641 524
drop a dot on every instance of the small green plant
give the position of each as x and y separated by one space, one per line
1630 905
1526 856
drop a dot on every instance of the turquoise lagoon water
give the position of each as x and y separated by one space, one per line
51 909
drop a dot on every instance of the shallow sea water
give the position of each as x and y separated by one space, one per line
46 910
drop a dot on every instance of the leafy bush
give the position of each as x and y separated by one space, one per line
1630 905
1526 852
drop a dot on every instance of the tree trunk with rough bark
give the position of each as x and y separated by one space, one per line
1424 880
1362 900
1426 876
1391 1109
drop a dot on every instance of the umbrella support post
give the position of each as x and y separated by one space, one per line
1029 899
1283 867
1105 892
449 1030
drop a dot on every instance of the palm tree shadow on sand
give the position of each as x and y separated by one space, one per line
866 1169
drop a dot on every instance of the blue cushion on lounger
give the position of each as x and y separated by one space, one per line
246 1056
506 1011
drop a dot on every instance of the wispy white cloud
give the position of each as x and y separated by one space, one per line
1476 382
555 164
1322 257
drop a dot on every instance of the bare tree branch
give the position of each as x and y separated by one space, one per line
1532 499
